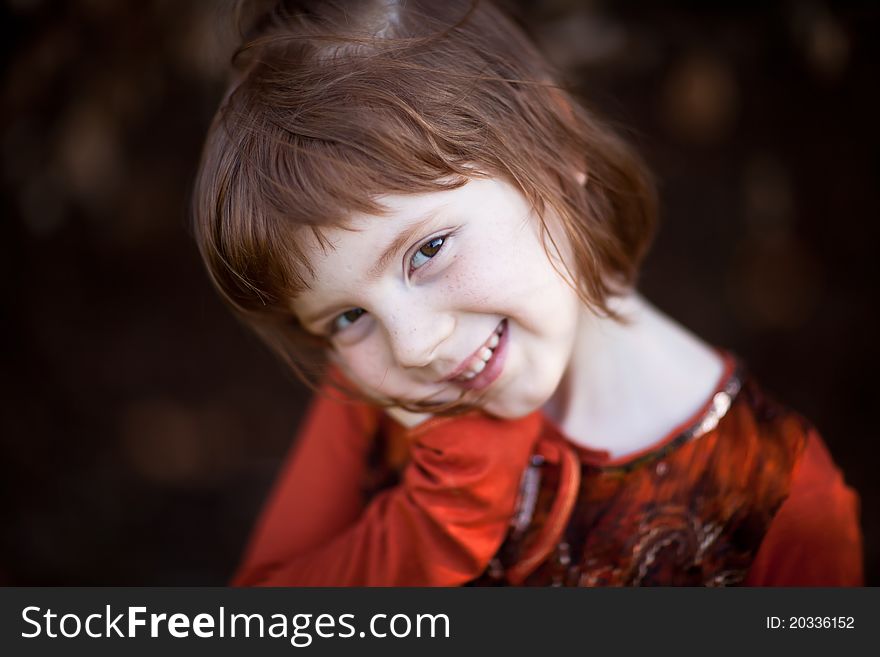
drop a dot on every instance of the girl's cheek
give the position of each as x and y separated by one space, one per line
366 363
472 283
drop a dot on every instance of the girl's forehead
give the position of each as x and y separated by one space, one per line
359 233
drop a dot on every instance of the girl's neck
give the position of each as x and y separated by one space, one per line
628 386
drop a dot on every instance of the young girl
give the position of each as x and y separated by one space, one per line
399 198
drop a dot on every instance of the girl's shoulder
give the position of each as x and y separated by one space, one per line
742 437
693 511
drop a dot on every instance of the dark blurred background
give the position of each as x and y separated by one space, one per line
142 426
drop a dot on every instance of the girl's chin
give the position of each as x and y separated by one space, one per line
513 409
494 408
508 413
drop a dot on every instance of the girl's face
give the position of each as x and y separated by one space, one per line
414 301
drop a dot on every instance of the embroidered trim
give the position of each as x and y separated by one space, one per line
530 485
558 516
718 407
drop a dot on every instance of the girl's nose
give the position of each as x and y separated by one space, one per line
415 337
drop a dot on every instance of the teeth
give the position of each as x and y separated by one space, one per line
478 364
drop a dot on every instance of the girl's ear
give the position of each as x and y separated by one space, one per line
563 102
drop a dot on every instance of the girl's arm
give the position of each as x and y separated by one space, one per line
318 490
439 527
814 539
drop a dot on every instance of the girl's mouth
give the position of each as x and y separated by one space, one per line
486 365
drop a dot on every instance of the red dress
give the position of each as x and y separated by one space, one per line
744 492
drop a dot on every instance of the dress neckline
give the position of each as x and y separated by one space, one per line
705 419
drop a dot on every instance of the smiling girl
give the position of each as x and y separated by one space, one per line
404 204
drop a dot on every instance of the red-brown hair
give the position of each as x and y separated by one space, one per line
334 104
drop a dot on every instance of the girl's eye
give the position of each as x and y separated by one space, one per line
427 251
346 319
